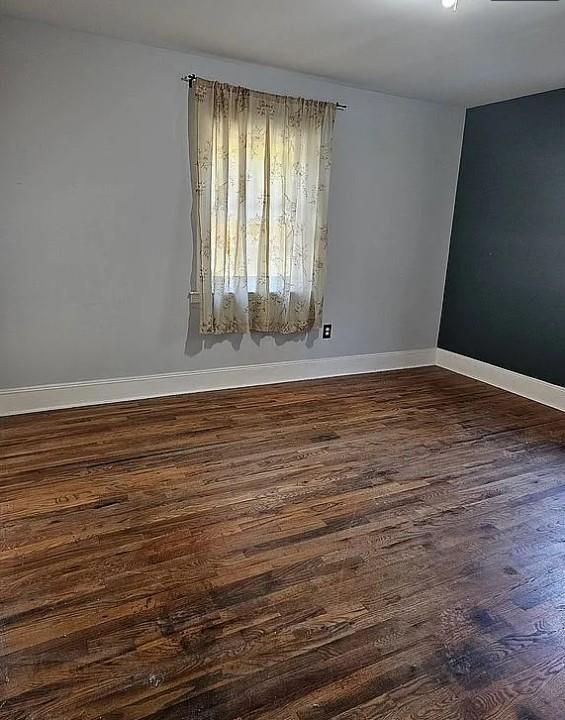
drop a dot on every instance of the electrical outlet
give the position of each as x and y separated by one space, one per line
327 331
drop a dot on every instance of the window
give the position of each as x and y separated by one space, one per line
260 174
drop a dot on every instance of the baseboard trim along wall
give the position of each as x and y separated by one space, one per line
97 392
528 387
51 397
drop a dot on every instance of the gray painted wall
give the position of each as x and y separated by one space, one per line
505 292
95 246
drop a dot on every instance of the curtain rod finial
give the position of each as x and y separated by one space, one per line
189 79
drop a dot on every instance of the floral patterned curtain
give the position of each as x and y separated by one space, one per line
260 177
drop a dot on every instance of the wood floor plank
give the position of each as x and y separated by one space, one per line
382 546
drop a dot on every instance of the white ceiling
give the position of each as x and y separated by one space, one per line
488 50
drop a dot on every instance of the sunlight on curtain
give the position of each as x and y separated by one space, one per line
260 177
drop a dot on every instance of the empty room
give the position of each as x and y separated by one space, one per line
282 360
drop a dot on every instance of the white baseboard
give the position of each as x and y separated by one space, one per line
51 397
528 387
96 392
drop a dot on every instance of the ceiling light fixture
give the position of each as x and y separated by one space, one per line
449 4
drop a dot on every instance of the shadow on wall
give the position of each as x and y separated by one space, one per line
196 343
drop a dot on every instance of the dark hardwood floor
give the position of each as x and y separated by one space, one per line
385 546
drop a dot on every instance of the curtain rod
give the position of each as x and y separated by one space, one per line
192 77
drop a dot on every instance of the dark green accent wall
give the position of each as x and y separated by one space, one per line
504 300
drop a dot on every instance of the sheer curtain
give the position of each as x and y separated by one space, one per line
260 178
